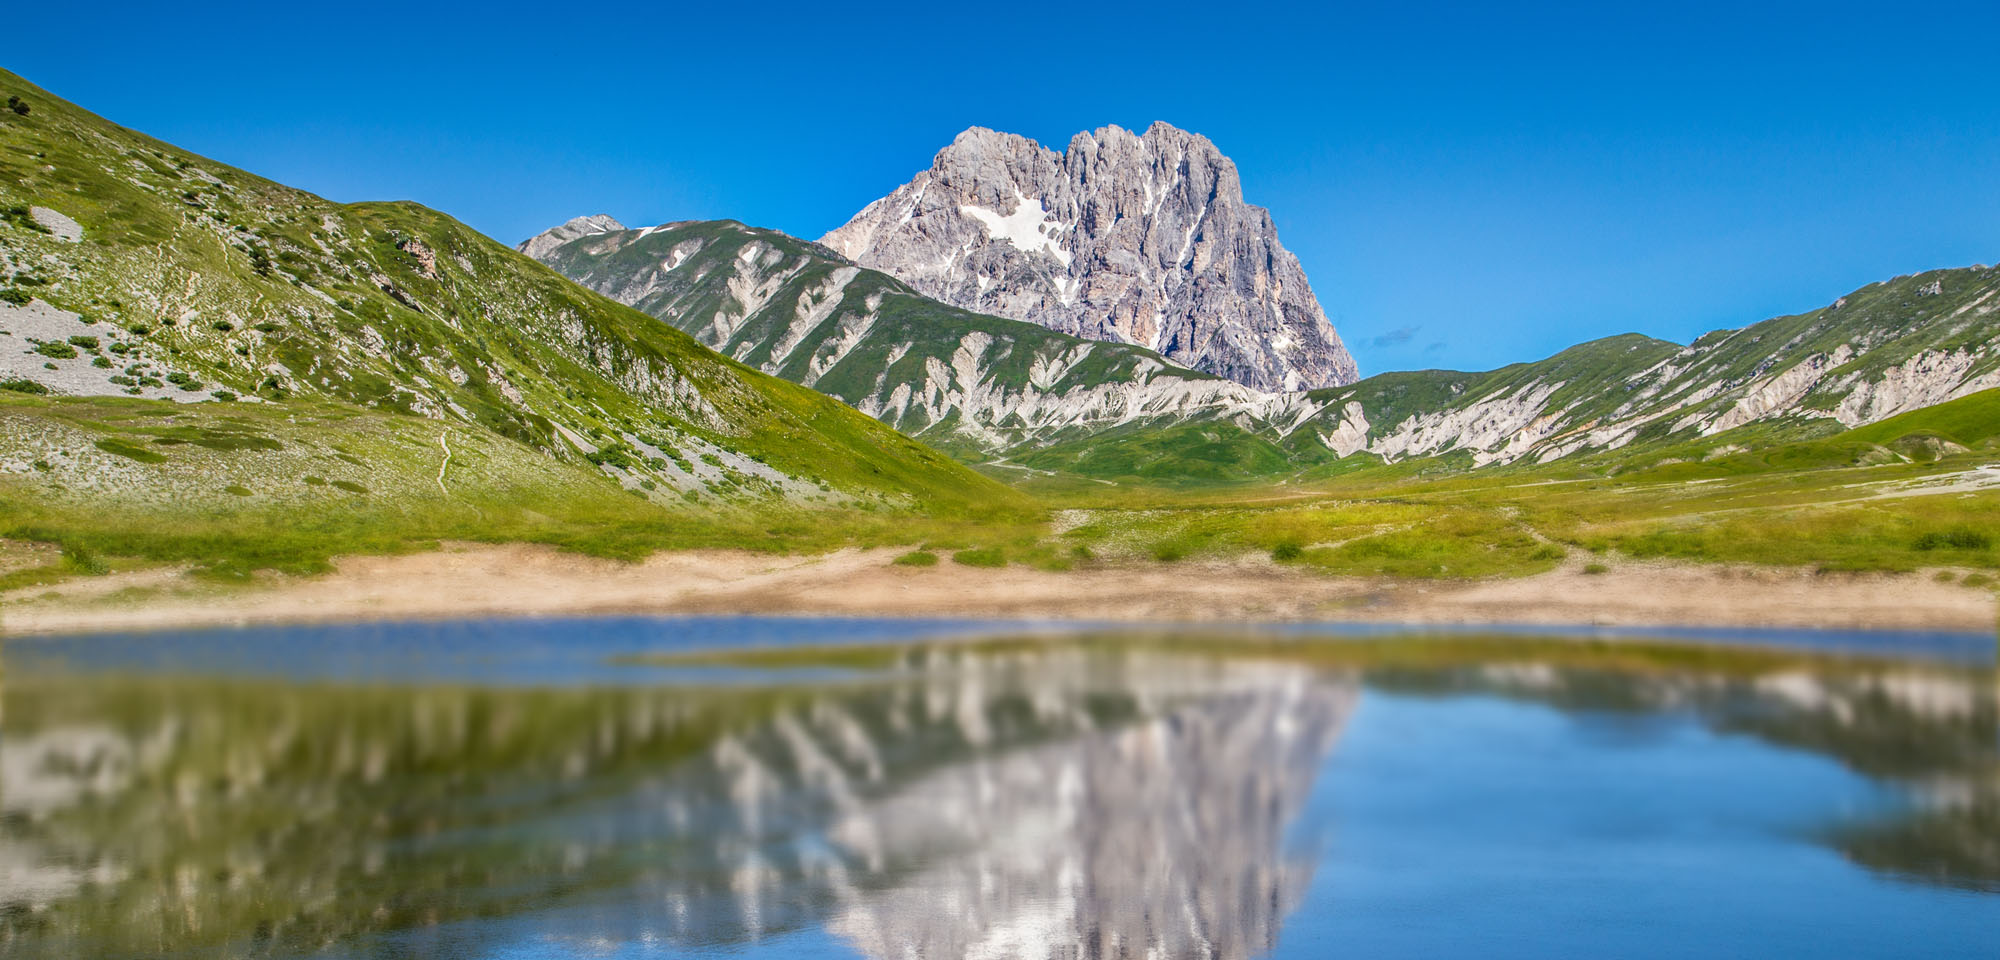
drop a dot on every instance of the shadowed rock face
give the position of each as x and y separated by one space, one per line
1136 239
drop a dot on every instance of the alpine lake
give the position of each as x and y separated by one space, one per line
745 787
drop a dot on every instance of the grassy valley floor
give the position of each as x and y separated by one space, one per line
130 523
470 580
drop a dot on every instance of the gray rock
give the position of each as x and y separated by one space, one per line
1134 239
57 223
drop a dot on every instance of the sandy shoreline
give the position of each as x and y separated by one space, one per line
468 580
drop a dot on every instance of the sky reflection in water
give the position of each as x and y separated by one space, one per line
523 793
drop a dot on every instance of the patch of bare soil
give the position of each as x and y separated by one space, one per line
467 580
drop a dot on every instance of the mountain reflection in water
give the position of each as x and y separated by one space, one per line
1074 798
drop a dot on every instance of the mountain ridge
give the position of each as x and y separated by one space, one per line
1595 396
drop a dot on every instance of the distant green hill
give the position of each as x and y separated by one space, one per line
168 322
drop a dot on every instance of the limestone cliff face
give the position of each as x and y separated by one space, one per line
1141 239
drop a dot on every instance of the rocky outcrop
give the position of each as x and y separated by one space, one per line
58 224
1139 239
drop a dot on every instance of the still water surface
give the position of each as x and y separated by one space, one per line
531 790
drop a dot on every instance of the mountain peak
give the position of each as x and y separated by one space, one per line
541 243
1133 238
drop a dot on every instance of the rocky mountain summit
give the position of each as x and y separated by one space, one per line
1139 239
539 245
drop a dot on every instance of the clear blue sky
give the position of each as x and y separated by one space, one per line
1467 186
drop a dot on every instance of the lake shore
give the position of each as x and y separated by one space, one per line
472 580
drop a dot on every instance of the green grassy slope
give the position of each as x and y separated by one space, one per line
1967 421
205 298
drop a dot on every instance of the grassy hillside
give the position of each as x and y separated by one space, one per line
167 323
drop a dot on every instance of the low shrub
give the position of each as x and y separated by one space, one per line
130 452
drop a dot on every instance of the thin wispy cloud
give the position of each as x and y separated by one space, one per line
1400 335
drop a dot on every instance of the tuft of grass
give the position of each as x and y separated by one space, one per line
981 557
917 558
77 558
1595 569
1287 552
